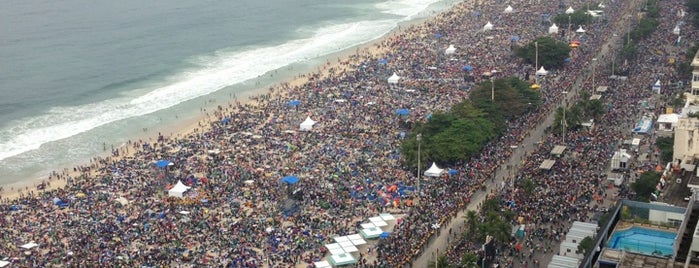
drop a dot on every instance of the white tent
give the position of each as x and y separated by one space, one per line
509 9
307 124
570 10
434 171
4 263
676 31
393 79
656 86
580 30
488 26
553 29
29 245
178 189
450 50
542 71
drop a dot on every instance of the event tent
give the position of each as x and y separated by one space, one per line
450 50
553 29
393 79
488 26
656 86
434 171
509 9
178 189
322 264
542 71
580 30
307 124
676 30
570 10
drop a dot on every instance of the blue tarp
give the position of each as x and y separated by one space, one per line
293 103
438 35
385 235
162 163
514 38
467 68
453 172
383 61
290 179
402 112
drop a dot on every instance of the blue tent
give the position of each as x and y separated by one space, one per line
453 172
293 103
290 179
402 112
467 68
163 163
385 235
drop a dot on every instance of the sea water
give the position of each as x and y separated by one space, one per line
79 78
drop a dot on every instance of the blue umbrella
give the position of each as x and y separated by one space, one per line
514 38
383 61
467 68
385 235
163 163
453 172
438 35
402 112
290 179
293 103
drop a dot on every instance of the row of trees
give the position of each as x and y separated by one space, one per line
454 136
551 53
645 28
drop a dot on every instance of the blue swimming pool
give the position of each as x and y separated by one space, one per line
643 240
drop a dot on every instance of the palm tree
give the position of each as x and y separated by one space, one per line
441 262
469 260
471 223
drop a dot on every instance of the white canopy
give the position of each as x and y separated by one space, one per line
553 29
434 171
668 118
4 263
488 26
570 10
601 5
393 79
676 31
450 50
178 189
509 9
580 30
29 245
542 71
307 124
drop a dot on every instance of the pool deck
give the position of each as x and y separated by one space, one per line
626 259
625 225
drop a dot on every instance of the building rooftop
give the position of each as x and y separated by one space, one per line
632 260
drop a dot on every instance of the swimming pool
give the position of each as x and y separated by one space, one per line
644 241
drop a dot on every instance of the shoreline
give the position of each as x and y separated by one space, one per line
200 122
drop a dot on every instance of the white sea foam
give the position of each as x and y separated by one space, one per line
224 69
407 8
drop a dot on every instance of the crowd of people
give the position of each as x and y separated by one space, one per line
238 213
577 183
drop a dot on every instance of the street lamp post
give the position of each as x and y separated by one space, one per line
419 140
492 89
594 60
569 34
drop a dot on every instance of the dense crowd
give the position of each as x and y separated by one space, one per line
237 212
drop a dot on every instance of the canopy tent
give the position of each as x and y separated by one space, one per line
307 124
547 164
342 259
656 86
509 9
595 97
178 189
488 26
163 163
676 30
393 79
434 171
602 89
450 50
542 71
371 233
644 125
29 245
558 150
580 30
553 29
290 179
570 10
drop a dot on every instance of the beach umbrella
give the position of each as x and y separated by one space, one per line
450 50
488 26
580 30
402 112
293 103
570 10
509 9
290 179
467 68
535 86
163 163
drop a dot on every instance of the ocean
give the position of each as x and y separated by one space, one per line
78 78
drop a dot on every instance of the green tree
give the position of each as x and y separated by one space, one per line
528 186
666 146
585 245
513 98
469 260
645 185
579 17
552 53
441 261
471 224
